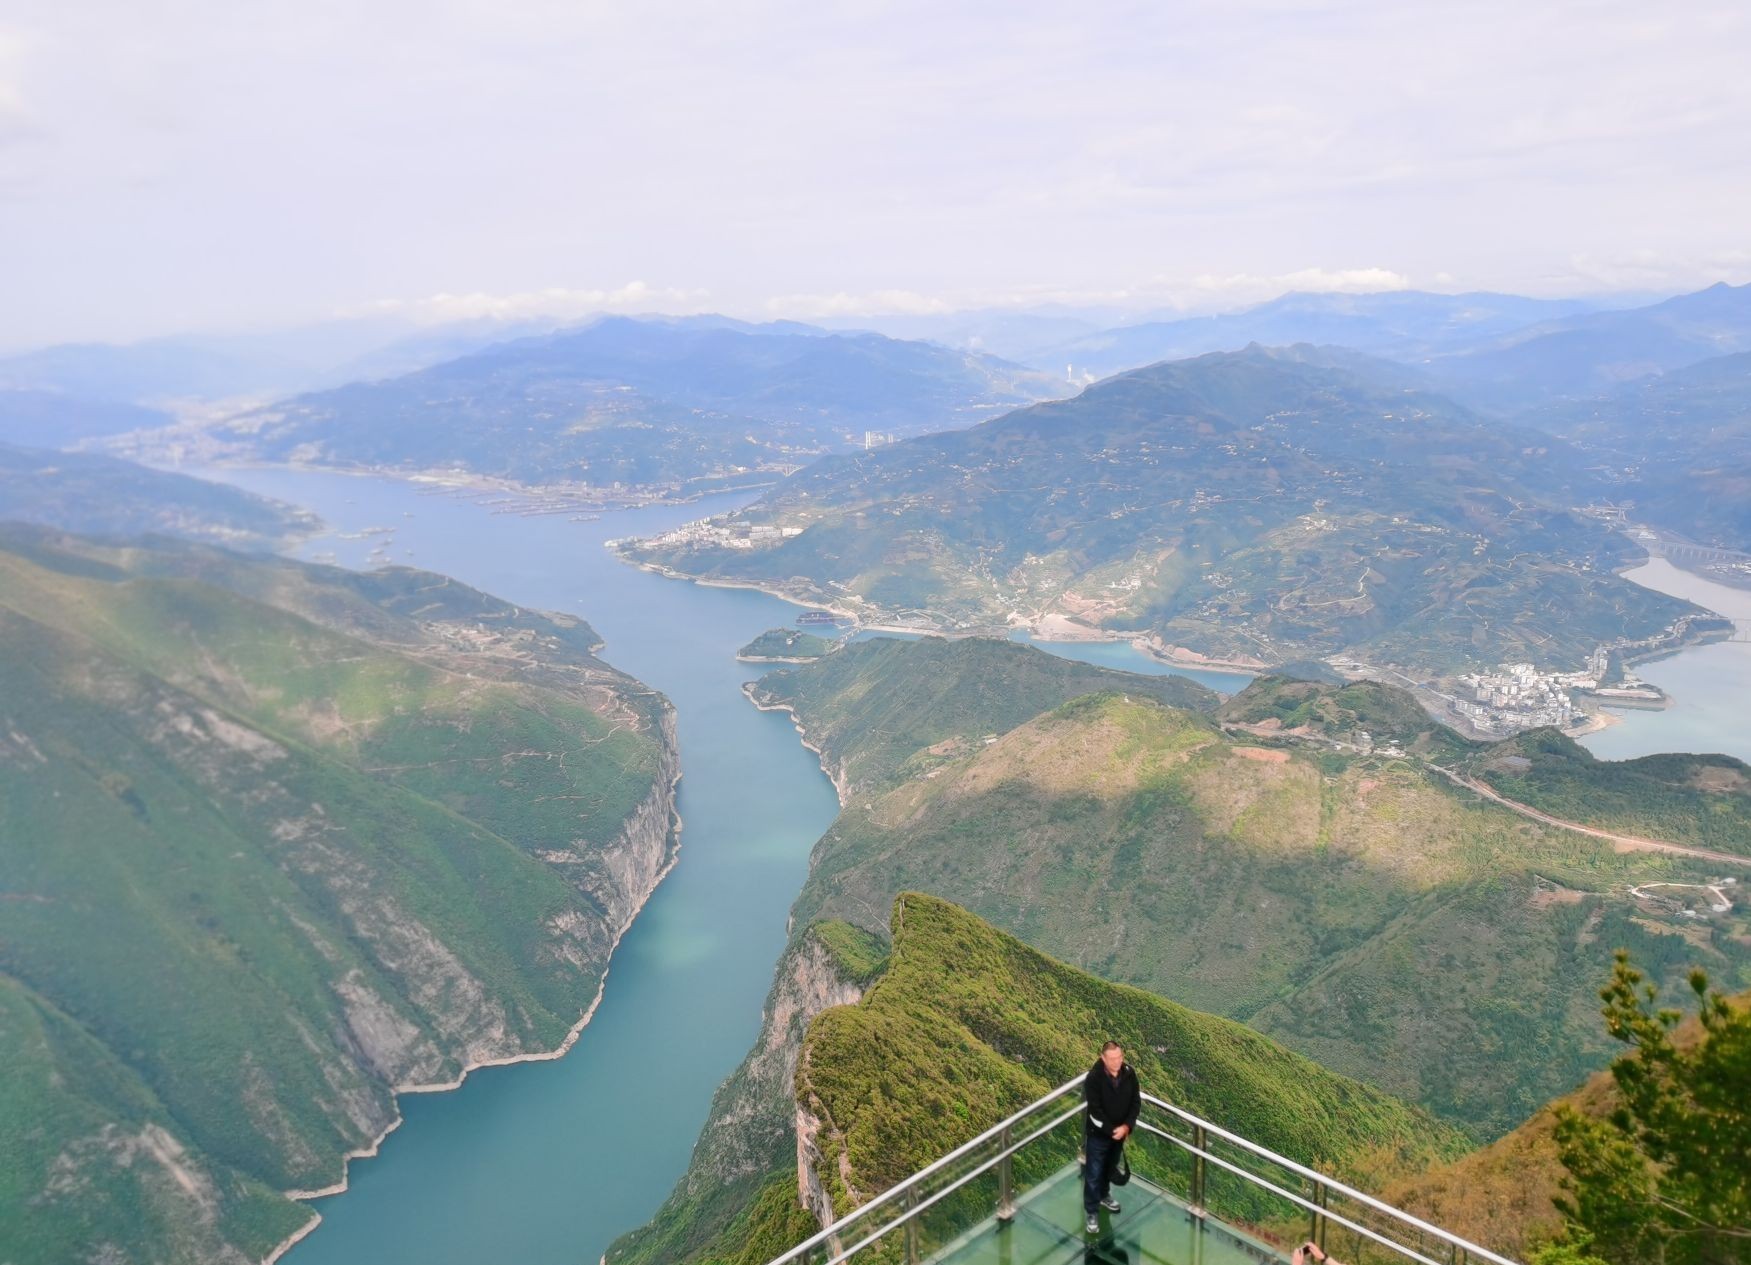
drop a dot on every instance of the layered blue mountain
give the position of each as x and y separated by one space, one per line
1586 354
1404 324
1498 352
1676 446
672 406
50 419
259 365
104 496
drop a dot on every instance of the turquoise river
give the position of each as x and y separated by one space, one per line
545 1163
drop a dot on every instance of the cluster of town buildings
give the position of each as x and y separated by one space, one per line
1518 696
707 533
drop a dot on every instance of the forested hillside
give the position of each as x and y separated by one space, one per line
278 841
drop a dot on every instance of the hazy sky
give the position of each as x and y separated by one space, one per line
166 166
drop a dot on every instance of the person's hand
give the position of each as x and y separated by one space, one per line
1121 1132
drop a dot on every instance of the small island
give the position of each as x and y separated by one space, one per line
786 645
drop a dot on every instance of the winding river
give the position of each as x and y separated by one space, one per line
545 1163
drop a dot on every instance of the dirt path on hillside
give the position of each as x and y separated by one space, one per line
1623 843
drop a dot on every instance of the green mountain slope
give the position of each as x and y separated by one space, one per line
1700 800
1358 908
262 868
883 709
1501 1196
1347 905
1339 711
968 1024
1263 506
786 645
975 1018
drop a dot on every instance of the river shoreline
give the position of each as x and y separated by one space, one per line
837 778
1048 628
442 479
670 794
561 1142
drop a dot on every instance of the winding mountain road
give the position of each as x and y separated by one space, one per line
1624 843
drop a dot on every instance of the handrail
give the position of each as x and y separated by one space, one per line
1331 1183
895 1191
1321 1181
950 1189
1291 1196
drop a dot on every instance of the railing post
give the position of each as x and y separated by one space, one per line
1316 1230
911 1203
1005 1179
1200 1144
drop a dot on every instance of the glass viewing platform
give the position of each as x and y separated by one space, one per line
1199 1195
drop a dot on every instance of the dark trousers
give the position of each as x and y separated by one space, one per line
1101 1154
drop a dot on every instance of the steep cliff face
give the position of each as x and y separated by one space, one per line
749 1134
975 1024
811 1191
645 849
281 842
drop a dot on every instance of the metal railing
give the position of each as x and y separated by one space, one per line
1215 1172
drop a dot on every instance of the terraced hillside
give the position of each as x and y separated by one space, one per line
275 842
1260 506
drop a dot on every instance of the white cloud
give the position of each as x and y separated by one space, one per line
848 158
1227 290
1654 270
807 307
15 116
634 296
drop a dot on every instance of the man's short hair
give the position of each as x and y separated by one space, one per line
1111 1045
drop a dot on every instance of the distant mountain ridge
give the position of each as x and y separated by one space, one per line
1259 506
1677 445
661 405
1410 325
48 419
1586 354
256 365
104 496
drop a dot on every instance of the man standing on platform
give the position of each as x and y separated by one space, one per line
1113 1100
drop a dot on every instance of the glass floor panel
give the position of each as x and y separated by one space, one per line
1153 1229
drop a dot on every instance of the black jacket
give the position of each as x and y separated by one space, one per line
1111 1103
